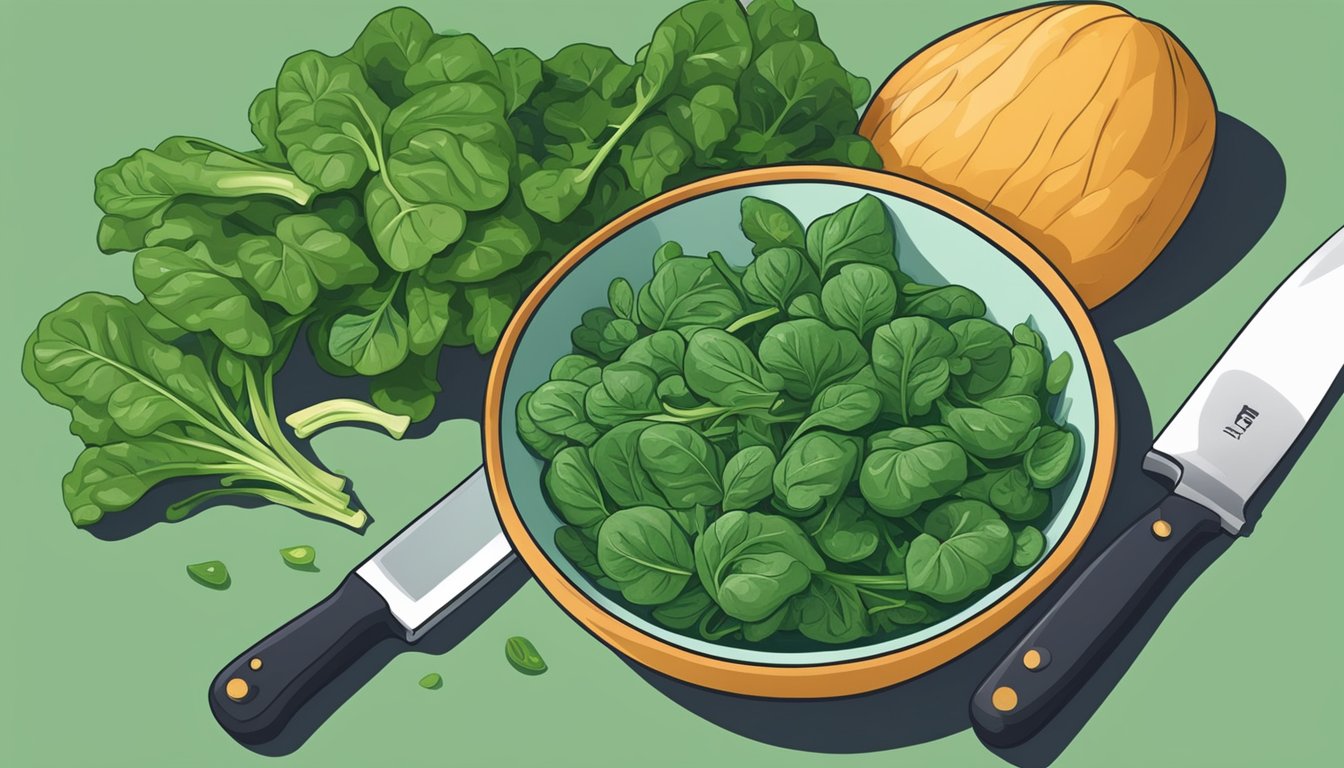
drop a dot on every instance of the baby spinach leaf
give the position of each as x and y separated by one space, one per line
722 369
188 289
662 352
910 359
988 349
774 21
1024 334
703 43
704 120
305 255
491 306
556 408
777 276
581 550
860 298
816 467
646 554
861 232
750 563
842 407
373 342
843 532
832 612
747 477
655 154
627 391
685 610
1026 369
615 457
769 225
783 96
408 234
572 486
1057 376
944 303
1050 457
427 312
391 43
963 545
809 355
687 292
902 439
621 298
543 444
994 430
408 389
329 120
1009 491
574 367
519 75
454 59
1028 545
807 305
897 481
264 116
450 145
489 246
684 467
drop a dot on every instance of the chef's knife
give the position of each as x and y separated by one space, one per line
1226 439
412 583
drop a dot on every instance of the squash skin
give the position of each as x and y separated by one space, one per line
1083 128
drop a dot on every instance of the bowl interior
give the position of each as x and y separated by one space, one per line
934 248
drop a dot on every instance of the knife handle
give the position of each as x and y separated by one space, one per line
1040 675
256 694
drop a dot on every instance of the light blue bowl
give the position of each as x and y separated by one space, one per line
934 248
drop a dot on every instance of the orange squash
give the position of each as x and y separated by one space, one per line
1083 128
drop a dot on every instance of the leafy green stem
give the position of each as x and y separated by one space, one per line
745 320
307 421
642 103
889 581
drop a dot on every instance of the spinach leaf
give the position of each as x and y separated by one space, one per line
1026 369
685 610
988 349
1028 545
750 563
807 305
809 355
842 407
687 292
861 232
663 352
190 289
655 154
777 276
646 554
454 59
407 235
769 225
897 481
774 21
684 467
910 359
544 445
390 44
621 298
747 477
964 544
994 430
626 392
1050 457
860 298
705 119
816 467
519 75
329 120
843 532
571 484
578 368
615 457
1057 376
557 409
944 303
723 370
832 612
1009 491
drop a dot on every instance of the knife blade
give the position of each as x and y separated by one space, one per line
413 582
1240 421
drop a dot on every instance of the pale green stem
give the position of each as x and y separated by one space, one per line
307 421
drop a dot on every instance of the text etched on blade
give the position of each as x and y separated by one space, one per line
1242 423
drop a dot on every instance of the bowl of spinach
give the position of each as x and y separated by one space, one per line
799 431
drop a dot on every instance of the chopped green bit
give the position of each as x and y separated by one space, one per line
522 654
432 682
211 573
298 556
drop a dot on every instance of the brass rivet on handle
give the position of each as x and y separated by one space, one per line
1031 659
236 689
1161 529
1004 698
255 663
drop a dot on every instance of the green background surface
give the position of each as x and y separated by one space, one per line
107 647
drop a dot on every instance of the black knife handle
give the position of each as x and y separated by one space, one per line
256 694
1040 675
